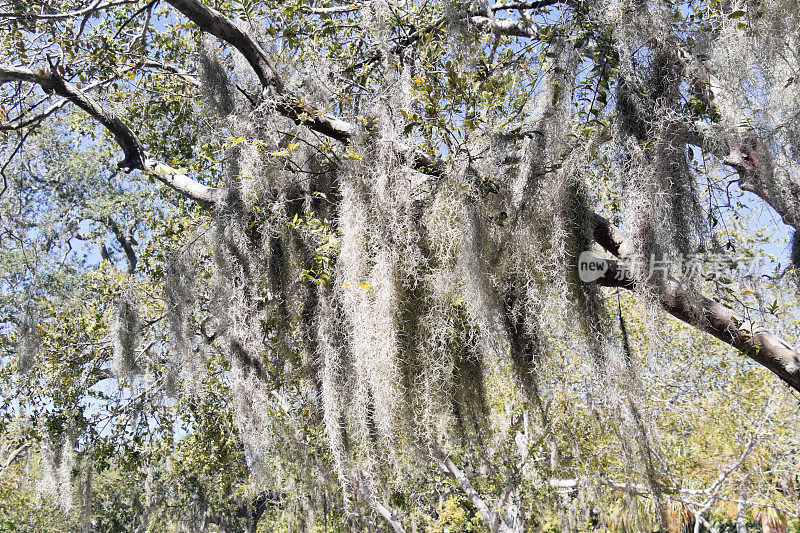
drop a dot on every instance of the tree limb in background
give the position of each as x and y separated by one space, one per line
125 242
14 455
494 519
362 490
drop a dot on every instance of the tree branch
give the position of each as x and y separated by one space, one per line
741 148
335 10
479 19
494 519
136 157
216 24
447 466
21 122
169 69
93 7
500 6
760 345
365 494
213 22
510 27
13 456
637 489
125 242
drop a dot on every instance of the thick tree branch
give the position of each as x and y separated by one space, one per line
764 347
21 122
136 157
212 21
607 235
739 146
53 83
216 24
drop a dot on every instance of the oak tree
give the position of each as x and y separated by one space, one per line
343 241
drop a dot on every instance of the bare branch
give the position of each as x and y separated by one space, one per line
478 19
20 124
510 27
169 69
500 6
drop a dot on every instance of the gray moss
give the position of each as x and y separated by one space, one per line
125 335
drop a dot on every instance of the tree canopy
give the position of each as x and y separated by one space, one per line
399 265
